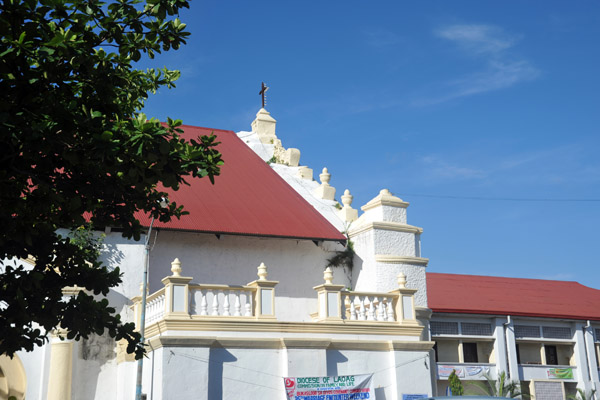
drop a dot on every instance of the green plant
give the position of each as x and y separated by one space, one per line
272 160
343 258
500 387
456 386
582 395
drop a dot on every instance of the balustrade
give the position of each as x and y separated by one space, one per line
155 307
361 306
222 300
181 299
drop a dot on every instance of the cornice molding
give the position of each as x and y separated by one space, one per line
384 198
287 343
390 259
387 226
202 324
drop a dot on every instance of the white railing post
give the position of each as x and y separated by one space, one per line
330 298
405 302
176 292
264 296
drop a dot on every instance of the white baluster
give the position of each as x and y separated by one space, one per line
203 303
237 306
226 303
361 310
215 303
352 308
390 310
380 309
248 304
371 313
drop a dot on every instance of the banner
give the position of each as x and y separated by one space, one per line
560 373
347 387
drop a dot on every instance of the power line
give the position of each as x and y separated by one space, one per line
484 198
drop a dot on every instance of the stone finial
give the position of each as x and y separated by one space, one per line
401 280
176 267
347 198
325 191
325 176
262 272
328 276
347 213
264 126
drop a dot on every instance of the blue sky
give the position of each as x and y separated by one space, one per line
450 99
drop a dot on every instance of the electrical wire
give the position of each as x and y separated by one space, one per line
484 198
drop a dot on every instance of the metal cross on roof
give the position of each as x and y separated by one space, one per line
263 93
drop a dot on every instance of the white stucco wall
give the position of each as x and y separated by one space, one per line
214 373
297 264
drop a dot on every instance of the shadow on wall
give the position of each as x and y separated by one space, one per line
380 394
111 256
218 357
334 358
356 270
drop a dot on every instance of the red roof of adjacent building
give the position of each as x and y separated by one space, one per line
248 198
472 294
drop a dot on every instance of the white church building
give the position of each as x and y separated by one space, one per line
242 293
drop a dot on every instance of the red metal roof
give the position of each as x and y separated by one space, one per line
472 294
248 198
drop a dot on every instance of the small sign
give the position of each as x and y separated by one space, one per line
560 373
330 387
414 396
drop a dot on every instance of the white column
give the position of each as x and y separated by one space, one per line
583 378
61 369
591 355
500 346
511 347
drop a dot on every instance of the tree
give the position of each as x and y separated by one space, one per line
455 384
500 387
76 148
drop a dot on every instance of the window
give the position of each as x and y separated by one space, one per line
435 352
551 355
443 328
470 352
475 329
554 332
522 331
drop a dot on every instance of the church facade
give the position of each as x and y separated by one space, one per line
270 277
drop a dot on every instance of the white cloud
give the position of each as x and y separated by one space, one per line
478 38
501 69
438 168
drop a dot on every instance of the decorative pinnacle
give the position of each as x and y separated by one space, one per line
385 192
328 276
176 267
347 198
325 176
262 272
401 280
